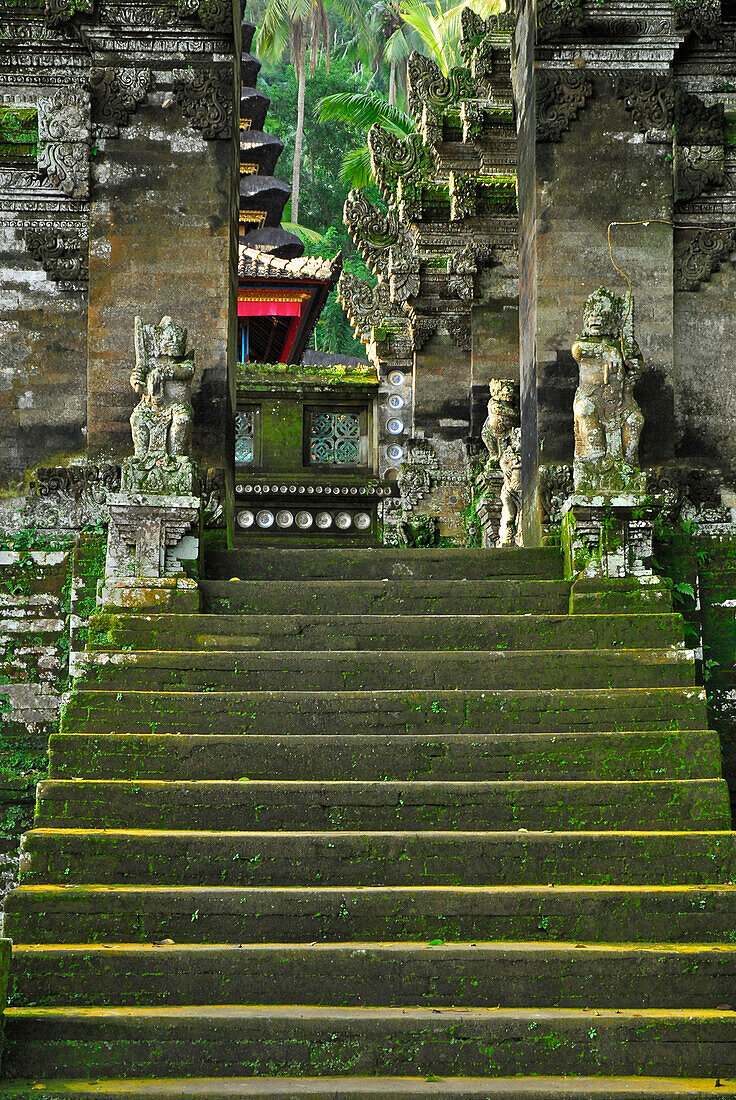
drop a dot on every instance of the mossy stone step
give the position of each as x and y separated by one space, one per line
688 754
206 914
411 974
163 670
396 597
376 1088
365 858
337 563
409 711
354 804
361 632
296 1040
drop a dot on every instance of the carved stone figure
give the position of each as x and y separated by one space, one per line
608 421
161 421
501 435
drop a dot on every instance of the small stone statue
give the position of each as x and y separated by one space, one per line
502 436
608 421
161 421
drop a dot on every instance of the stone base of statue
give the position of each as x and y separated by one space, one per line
488 508
152 539
608 534
175 475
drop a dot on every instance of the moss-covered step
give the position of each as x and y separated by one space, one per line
342 858
618 595
376 1088
411 974
337 563
205 914
407 632
352 712
270 1040
164 670
356 804
685 754
396 597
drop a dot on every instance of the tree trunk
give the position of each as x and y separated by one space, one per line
392 84
301 76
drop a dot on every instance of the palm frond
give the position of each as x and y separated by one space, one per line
356 169
432 31
363 110
305 235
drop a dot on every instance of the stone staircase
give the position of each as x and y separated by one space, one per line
379 824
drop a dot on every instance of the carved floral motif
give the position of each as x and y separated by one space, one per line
215 16
554 16
115 95
206 98
59 12
62 255
650 97
561 95
700 252
697 168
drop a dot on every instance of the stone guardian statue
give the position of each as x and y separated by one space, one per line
161 421
501 435
608 420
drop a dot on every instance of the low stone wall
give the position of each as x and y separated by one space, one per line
46 597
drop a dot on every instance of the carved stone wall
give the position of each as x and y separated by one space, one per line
136 160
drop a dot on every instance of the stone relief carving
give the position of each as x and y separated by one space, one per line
462 196
367 306
460 330
161 421
700 252
561 95
696 123
206 96
430 93
501 434
215 16
649 97
555 486
701 16
385 243
115 95
554 16
608 420
395 158
698 168
59 12
64 135
63 256
422 330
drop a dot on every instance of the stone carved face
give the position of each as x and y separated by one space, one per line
600 315
171 338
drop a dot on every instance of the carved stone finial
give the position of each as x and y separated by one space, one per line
501 434
161 421
63 256
608 420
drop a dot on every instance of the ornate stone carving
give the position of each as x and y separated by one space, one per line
70 497
554 16
461 269
700 252
422 330
501 434
431 93
58 12
696 123
460 330
561 95
397 159
161 421
381 238
115 95
206 96
555 486
215 16
367 306
64 135
701 16
462 196
63 256
213 493
608 421
650 97
697 168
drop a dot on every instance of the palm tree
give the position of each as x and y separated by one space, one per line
301 25
363 110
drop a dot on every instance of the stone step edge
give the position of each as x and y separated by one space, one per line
46 786
383 1088
438 834
531 947
334 1014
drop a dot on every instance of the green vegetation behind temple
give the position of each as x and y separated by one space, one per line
323 192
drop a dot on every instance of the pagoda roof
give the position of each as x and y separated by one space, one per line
256 264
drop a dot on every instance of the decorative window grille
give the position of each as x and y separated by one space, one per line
245 435
334 438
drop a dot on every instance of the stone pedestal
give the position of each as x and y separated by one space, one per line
148 546
608 535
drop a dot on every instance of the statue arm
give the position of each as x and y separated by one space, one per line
140 371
